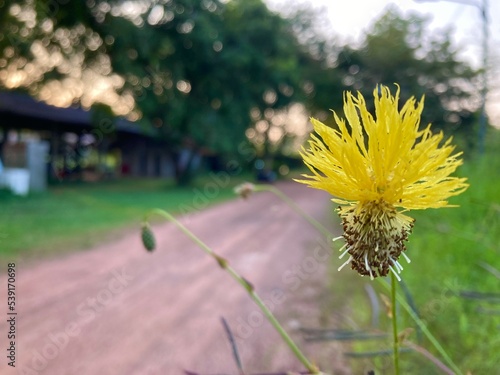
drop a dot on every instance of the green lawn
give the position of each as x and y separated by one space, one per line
77 216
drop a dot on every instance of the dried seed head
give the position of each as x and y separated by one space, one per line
244 190
375 235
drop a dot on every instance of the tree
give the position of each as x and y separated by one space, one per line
203 72
196 70
49 48
320 80
397 50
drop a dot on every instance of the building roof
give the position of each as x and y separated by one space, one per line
24 106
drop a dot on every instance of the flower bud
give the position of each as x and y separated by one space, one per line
148 237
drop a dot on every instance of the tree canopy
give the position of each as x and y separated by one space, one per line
211 75
397 50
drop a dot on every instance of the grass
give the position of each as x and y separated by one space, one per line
78 216
450 249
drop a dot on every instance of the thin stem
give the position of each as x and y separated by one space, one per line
272 319
316 224
245 284
425 330
394 323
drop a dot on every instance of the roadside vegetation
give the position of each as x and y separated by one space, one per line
452 280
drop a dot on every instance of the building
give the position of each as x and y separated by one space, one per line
80 144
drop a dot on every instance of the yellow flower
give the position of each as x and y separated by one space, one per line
379 168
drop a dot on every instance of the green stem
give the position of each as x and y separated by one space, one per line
394 324
316 224
245 284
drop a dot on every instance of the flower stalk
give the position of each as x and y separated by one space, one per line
394 324
223 263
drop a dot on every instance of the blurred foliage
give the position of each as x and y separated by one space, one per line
397 50
211 76
201 74
37 36
321 80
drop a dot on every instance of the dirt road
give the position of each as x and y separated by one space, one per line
117 310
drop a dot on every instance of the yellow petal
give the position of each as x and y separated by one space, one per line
383 158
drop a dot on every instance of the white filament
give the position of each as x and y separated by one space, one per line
368 268
395 273
406 258
398 266
346 263
345 252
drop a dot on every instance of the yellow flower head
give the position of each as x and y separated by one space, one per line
378 168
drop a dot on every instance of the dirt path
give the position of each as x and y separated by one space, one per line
117 310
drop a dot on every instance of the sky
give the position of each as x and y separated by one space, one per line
349 19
